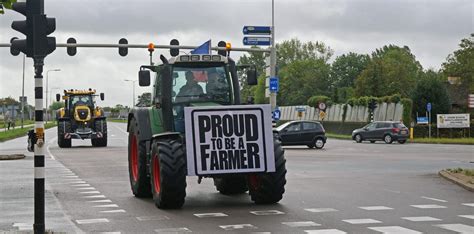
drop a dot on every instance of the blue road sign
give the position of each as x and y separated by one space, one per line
428 106
274 86
257 30
276 114
422 120
257 41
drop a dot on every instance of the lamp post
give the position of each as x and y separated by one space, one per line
46 91
133 81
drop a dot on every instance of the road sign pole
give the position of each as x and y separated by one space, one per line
429 125
273 95
23 94
39 224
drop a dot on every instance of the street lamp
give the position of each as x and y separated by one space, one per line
46 92
133 81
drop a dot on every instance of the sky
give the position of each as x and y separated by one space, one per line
431 28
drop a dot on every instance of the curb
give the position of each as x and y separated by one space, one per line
457 181
11 156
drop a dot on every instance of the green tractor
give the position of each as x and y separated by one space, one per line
81 119
196 126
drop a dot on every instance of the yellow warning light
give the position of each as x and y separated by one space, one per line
228 46
151 47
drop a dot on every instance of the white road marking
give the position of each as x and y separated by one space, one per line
152 218
173 230
23 226
376 208
267 212
320 210
112 211
47 148
237 227
77 182
461 228
210 215
469 204
89 221
101 201
421 219
467 216
394 229
85 188
429 206
90 192
434 199
361 221
107 206
325 231
301 224
81 185
71 176
95 196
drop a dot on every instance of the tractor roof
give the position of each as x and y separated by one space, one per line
79 92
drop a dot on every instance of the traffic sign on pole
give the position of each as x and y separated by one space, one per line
274 86
257 41
257 30
276 114
428 106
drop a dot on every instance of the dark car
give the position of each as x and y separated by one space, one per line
387 131
309 133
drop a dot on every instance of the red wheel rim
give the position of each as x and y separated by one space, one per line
134 158
254 181
156 173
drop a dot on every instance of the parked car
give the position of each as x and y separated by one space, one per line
309 133
387 131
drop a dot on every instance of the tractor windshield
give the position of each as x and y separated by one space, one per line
202 84
85 100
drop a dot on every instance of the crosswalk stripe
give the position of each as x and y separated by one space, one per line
457 227
394 229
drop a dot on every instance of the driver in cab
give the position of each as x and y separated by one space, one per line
191 90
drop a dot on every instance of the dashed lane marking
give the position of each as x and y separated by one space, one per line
107 206
320 210
85 188
394 229
237 227
113 211
95 196
421 219
361 221
469 204
152 218
90 221
267 212
173 230
467 216
325 231
90 192
81 185
429 206
70 176
457 227
371 208
301 224
210 215
77 182
101 201
434 199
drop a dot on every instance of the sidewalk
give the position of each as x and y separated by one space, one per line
19 126
17 193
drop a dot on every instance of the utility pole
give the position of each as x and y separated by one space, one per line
133 82
273 95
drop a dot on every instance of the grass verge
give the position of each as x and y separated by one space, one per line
459 141
338 136
19 132
461 176
117 120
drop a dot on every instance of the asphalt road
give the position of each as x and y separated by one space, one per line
346 187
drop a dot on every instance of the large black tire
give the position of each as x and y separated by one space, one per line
168 173
231 184
268 188
64 126
137 163
100 126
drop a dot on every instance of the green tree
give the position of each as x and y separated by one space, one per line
347 67
258 60
56 105
8 101
6 4
430 88
461 62
259 91
392 70
303 79
295 50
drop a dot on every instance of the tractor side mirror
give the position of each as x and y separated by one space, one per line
58 97
144 78
102 96
252 77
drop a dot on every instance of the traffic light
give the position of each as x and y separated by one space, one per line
372 105
42 27
25 27
71 51
123 51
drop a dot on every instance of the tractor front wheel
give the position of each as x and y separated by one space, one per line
100 128
137 163
64 127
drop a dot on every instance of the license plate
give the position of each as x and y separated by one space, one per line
403 132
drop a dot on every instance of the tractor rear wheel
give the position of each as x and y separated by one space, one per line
168 173
232 184
268 188
100 128
137 163
64 127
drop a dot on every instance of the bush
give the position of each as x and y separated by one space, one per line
315 100
407 110
395 98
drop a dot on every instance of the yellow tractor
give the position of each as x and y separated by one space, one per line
80 118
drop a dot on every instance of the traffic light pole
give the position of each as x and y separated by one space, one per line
39 219
273 95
